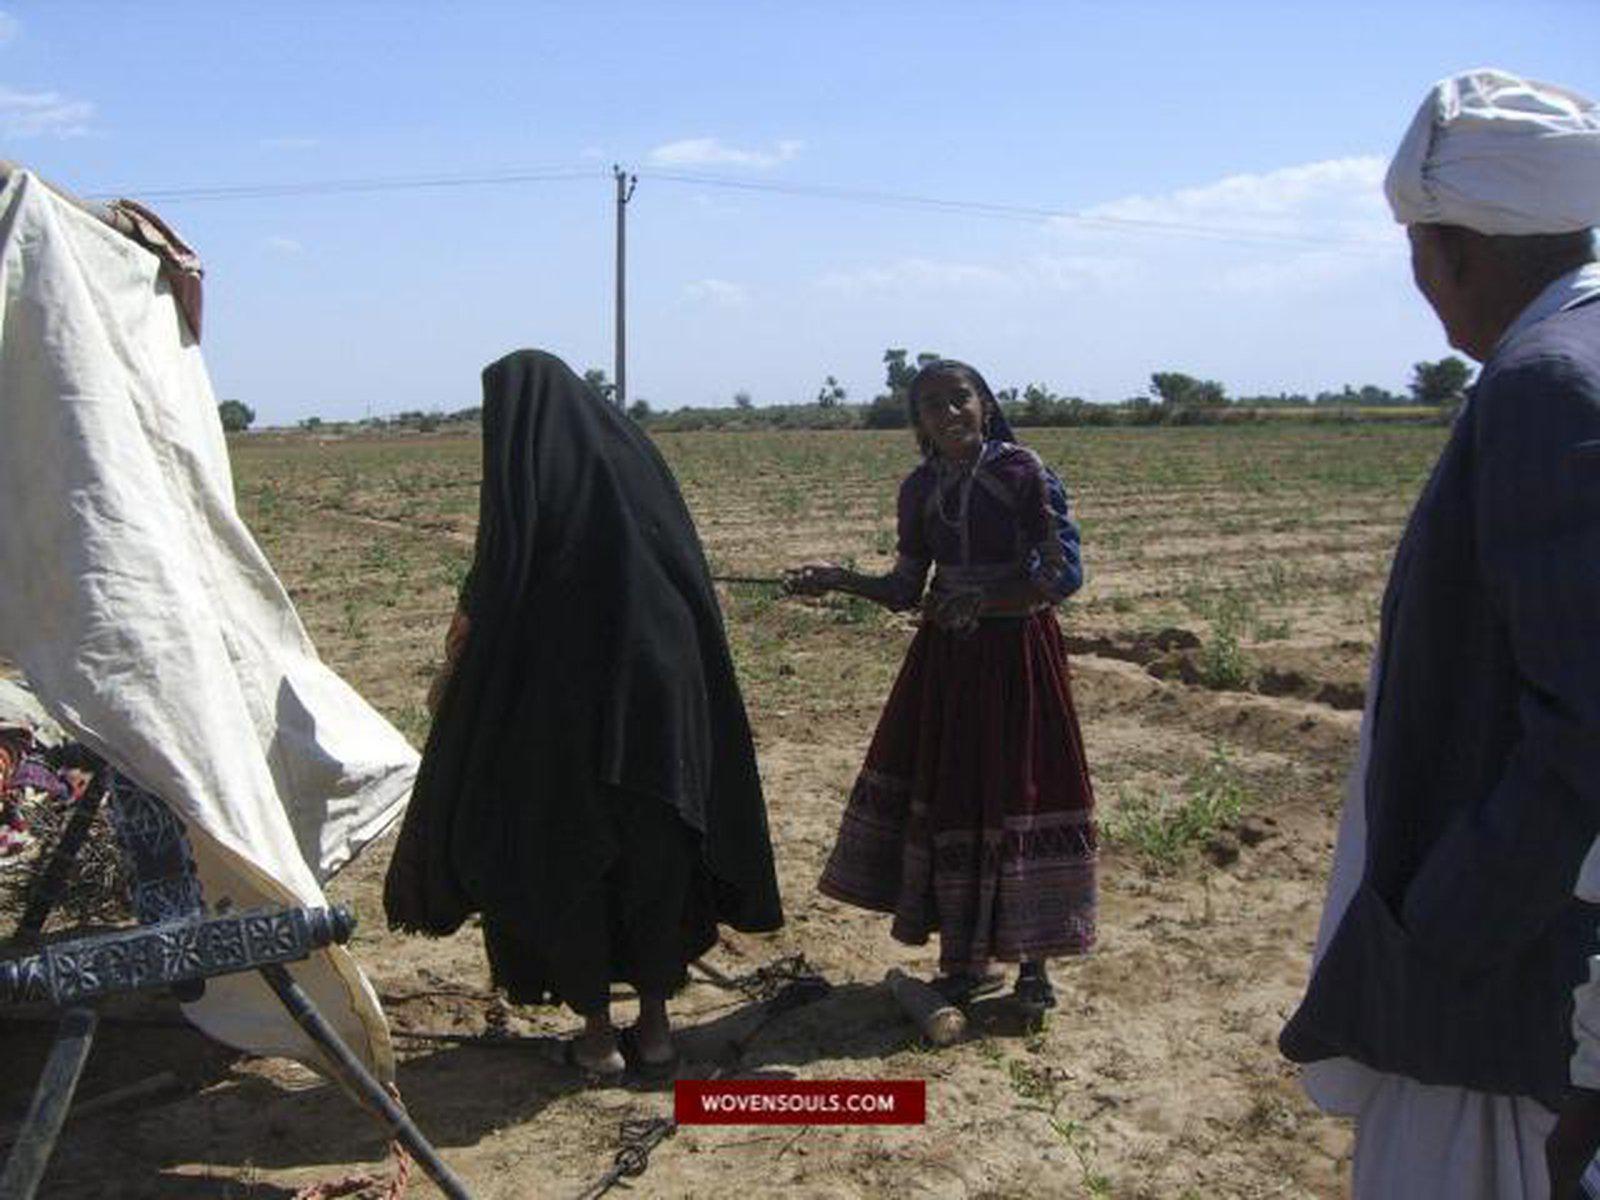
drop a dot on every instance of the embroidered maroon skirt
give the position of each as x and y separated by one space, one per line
974 815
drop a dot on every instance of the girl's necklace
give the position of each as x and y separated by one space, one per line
962 475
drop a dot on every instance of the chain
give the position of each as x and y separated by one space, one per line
779 986
764 984
638 1137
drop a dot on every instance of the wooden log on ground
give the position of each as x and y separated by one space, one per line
941 1022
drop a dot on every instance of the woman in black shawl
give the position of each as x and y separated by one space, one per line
589 783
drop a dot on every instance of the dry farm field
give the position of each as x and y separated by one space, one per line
1220 651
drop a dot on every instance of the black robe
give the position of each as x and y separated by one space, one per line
596 659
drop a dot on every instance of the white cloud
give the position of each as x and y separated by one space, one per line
282 244
33 114
1338 203
707 152
9 27
290 143
719 292
1298 230
1293 231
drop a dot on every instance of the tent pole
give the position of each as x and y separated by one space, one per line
356 1076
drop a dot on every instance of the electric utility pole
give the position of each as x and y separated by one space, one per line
625 185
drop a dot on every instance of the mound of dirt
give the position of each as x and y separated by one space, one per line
1334 675
1143 646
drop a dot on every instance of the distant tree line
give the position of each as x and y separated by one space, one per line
411 421
1172 398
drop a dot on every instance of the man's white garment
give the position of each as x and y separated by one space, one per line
1418 1140
150 623
1585 1071
1499 154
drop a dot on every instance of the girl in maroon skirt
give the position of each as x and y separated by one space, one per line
974 815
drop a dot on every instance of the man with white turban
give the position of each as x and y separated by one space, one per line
1439 1009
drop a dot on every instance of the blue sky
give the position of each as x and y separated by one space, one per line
1260 130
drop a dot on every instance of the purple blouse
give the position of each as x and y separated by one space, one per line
1003 519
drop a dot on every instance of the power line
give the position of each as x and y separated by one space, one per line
263 191
976 208
1011 212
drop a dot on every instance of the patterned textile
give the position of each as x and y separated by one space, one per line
974 813
1005 517
15 741
33 775
18 771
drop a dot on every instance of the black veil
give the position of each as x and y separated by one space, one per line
596 658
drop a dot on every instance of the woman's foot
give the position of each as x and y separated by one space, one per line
1033 990
651 1037
596 1049
959 987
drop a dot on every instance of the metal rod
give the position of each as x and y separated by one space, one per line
360 1081
154 1085
52 1097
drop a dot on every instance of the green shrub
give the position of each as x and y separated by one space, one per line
1162 830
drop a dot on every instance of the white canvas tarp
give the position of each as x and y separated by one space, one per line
149 622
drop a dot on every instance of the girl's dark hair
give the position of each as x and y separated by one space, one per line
994 421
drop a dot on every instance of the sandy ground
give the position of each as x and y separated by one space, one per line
1157 1076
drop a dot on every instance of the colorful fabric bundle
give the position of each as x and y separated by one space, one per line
18 773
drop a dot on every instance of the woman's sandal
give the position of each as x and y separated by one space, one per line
567 1057
962 987
645 1068
1034 992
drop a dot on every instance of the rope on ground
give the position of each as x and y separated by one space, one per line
489 1038
366 1185
428 994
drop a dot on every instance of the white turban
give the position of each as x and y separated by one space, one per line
1500 155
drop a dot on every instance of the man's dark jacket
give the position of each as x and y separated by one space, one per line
1456 959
